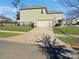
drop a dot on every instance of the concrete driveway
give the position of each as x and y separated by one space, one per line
32 36
12 50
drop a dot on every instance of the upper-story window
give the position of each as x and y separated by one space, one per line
43 11
18 15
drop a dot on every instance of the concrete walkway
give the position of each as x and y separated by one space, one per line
12 31
63 35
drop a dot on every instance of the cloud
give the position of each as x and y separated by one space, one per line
7 10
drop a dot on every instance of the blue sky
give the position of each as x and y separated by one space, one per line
8 10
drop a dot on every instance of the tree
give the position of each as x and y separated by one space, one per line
73 6
54 51
17 5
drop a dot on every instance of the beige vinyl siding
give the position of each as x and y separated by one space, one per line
2 19
33 17
29 15
77 20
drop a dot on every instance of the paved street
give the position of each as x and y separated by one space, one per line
12 50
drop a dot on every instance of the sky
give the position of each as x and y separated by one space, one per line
9 11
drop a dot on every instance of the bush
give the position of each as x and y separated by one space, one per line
57 25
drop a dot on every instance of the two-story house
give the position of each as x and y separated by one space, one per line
39 16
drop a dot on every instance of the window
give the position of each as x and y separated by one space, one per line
18 15
41 11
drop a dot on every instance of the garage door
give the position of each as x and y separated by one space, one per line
43 23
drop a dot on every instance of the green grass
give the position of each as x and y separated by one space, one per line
69 40
16 28
67 30
6 34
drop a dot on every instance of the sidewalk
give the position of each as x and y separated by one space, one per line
12 31
64 35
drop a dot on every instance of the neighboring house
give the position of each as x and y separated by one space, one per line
77 21
39 16
70 21
64 22
4 20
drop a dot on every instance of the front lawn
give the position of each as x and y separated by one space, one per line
74 30
6 34
69 40
16 28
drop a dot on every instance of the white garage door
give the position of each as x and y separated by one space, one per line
43 23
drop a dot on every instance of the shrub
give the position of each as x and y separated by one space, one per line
57 25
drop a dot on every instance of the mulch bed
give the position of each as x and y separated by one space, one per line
75 46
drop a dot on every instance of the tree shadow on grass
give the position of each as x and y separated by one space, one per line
68 35
52 50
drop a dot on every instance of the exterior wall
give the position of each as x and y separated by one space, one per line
77 20
1 19
63 22
35 14
74 21
29 15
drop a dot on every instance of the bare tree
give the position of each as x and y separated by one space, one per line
17 4
73 6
